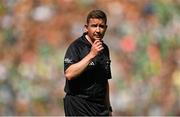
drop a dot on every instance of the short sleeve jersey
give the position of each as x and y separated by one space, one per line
91 83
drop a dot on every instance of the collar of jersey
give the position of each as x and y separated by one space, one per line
85 40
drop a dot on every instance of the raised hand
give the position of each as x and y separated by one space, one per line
96 48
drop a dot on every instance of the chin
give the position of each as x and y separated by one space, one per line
97 38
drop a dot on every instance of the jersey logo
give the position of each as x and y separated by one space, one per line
67 60
92 63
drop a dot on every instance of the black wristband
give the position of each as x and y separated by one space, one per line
110 108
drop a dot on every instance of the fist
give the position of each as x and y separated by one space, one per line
97 47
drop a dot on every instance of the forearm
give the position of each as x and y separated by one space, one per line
77 68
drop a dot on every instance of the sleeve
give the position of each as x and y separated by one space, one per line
71 56
108 63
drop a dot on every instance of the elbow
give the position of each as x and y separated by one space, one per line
68 76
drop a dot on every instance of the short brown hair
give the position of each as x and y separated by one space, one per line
99 14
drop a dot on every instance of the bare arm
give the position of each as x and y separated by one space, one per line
77 68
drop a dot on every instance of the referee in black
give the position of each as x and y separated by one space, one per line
87 70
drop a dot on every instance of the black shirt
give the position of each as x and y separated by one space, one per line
91 84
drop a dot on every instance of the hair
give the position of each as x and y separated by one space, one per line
99 14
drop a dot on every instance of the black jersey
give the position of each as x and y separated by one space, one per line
91 84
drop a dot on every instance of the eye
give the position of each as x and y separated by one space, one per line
102 26
93 25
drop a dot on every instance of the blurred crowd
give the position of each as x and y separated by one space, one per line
143 38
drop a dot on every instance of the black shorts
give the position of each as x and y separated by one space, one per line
76 106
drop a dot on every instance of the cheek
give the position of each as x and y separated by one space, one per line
91 31
103 31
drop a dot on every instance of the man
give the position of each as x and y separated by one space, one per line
87 70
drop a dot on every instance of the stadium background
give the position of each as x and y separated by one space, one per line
143 37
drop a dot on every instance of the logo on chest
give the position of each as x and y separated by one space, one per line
91 63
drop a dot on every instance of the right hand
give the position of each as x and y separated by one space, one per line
96 48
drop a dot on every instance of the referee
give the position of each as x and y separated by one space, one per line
87 70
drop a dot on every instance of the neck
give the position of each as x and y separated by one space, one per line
88 38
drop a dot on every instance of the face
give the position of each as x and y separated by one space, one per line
96 29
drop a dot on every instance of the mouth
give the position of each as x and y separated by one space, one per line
98 36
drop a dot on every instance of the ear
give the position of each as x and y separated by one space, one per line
106 26
85 28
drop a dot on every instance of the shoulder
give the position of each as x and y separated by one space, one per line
76 43
105 46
